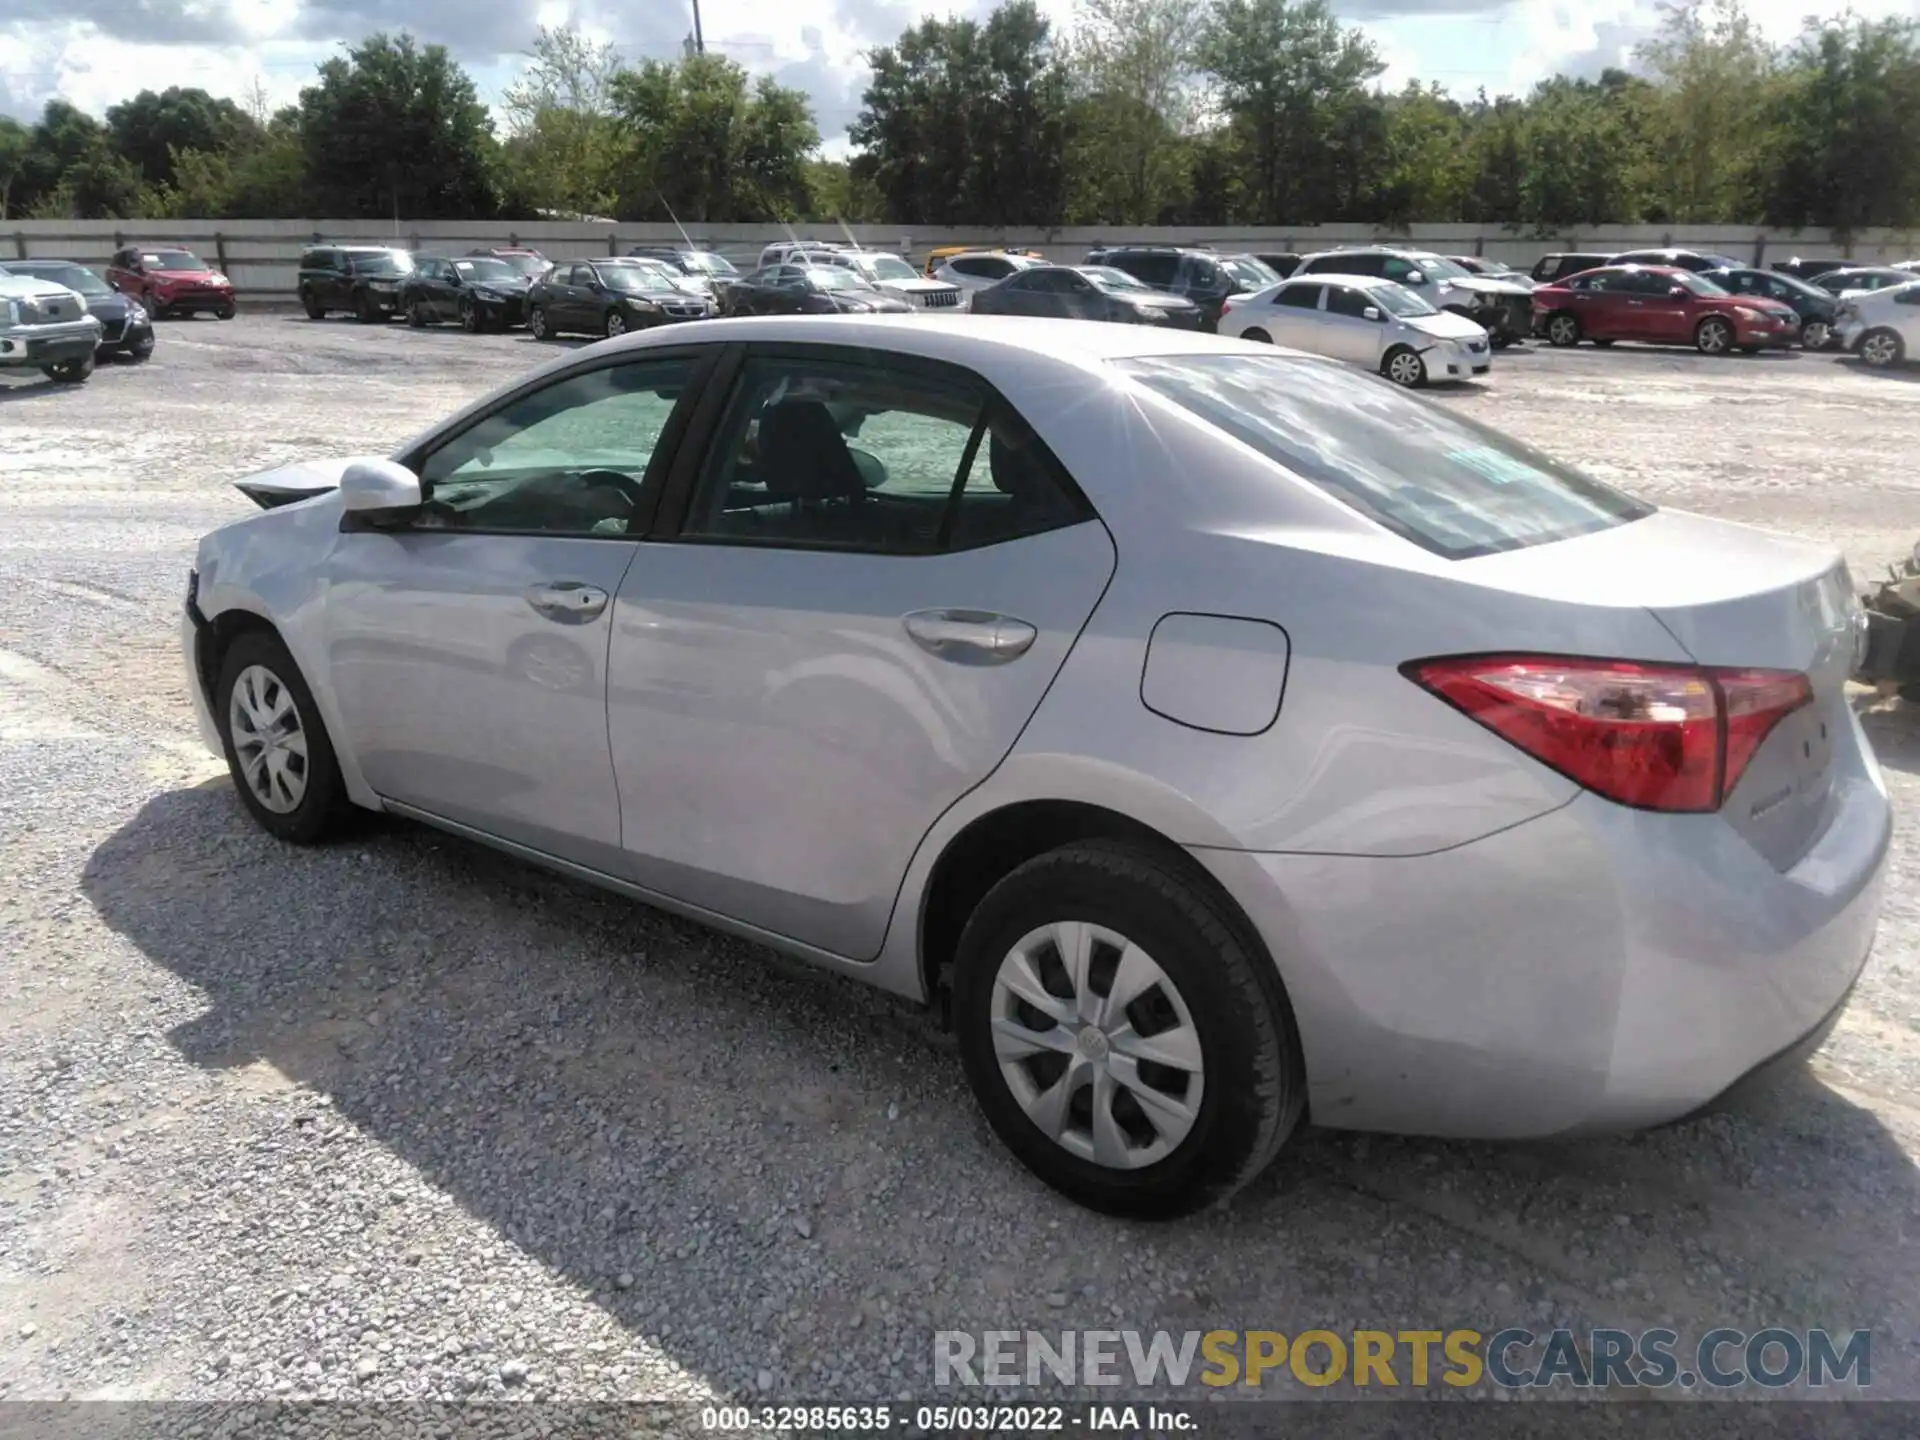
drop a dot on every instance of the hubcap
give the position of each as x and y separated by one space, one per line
1877 350
1815 336
1563 331
268 739
1097 1045
616 326
538 324
1405 369
1713 336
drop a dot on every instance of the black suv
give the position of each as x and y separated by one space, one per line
364 279
1206 277
1697 261
1809 269
1549 268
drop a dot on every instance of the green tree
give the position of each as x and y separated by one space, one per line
397 129
152 126
566 149
1848 113
1712 76
15 141
1577 156
1426 171
1132 65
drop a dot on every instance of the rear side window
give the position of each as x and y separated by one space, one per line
1154 269
1298 297
1446 483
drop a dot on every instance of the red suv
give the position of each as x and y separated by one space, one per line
170 282
1661 305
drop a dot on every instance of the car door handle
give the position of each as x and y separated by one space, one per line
969 636
570 602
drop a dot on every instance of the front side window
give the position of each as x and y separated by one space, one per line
1698 284
567 459
1399 301
382 262
1356 303
820 454
1444 482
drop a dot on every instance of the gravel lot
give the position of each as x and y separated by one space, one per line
404 1119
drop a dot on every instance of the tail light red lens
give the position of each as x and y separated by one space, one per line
1656 737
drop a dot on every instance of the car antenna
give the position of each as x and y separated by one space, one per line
676 220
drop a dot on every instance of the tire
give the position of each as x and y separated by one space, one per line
1503 340
225 312
1602 344
1257 335
537 323
260 659
141 353
417 314
71 372
1882 348
155 310
1910 693
1563 329
1816 335
469 316
1210 979
1404 367
363 310
315 310
615 325
1713 336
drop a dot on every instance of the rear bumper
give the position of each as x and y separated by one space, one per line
1595 969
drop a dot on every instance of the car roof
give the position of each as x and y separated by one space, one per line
1334 277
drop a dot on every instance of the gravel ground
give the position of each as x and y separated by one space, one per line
401 1118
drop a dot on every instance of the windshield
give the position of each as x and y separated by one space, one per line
74 277
1400 301
1699 284
173 260
830 277
1108 278
484 270
1249 272
1430 475
1438 267
384 262
635 278
523 264
708 262
889 267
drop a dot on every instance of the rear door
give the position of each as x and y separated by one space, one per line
860 594
1295 318
1600 300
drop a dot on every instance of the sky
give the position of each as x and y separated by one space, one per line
97 52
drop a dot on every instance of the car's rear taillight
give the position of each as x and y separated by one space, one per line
1657 737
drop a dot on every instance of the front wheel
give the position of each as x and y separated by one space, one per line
1882 349
72 372
141 352
155 310
616 324
1404 367
225 312
1602 344
1713 336
1123 1033
1502 340
469 317
278 751
311 303
1816 334
1563 330
417 314
363 310
537 323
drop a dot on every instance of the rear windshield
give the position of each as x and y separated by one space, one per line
1448 484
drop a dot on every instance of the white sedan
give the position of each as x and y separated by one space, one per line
1376 323
1882 327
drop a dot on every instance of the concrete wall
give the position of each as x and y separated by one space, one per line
260 256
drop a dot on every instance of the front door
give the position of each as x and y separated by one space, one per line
468 648
1349 333
1659 314
878 574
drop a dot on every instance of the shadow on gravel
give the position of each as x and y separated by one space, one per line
741 1140
1894 728
1900 374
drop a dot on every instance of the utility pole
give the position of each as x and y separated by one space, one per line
699 40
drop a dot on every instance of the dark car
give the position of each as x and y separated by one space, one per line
523 258
1091 292
718 271
1694 260
1862 277
125 327
809 290
170 281
480 292
365 280
1802 269
1282 262
1814 306
1205 277
1562 263
607 297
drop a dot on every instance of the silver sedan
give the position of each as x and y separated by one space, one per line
1220 735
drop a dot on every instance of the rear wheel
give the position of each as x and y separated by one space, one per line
1123 1033
1404 367
1563 330
1713 336
278 751
363 310
1882 348
1257 335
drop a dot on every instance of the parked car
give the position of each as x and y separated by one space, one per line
708 266
1661 305
1809 269
1503 308
607 297
796 289
1068 292
170 282
478 291
1694 260
125 327
1206 277
975 270
1882 327
523 258
887 273
1912 267
782 251
940 254
672 274
1494 269
1562 263
1282 262
1861 279
1218 735
45 326
365 280
1377 324
1814 306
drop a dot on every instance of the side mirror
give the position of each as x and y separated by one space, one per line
1416 277
1678 292
1372 312
375 490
